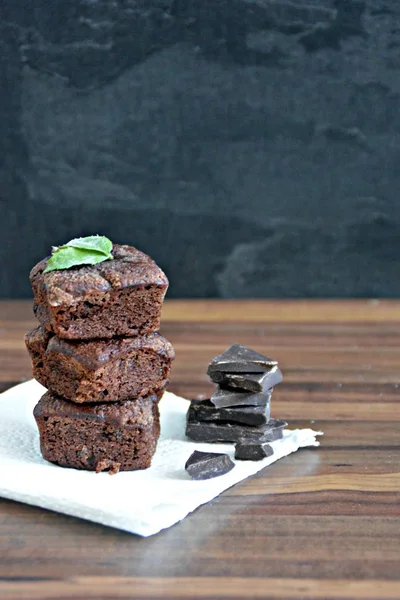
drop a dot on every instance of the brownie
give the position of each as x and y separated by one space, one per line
100 370
121 436
122 296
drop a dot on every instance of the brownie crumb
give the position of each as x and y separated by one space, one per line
104 465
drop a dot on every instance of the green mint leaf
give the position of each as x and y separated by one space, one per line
66 257
96 243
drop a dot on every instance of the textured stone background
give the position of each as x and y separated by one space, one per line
252 147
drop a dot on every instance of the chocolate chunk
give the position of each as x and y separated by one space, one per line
204 410
240 359
224 398
254 382
206 465
229 432
252 451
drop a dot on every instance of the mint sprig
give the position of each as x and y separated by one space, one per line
96 243
80 251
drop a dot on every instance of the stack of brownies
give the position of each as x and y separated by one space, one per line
98 352
239 410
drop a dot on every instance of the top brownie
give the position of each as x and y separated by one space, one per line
123 296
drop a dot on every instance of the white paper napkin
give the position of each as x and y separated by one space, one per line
141 502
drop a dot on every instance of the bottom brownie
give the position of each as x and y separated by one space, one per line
121 436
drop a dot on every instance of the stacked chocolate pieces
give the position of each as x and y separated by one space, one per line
99 353
239 410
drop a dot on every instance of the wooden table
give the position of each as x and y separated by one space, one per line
322 523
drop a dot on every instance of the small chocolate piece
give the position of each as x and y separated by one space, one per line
240 359
252 451
225 398
206 465
229 432
252 382
204 410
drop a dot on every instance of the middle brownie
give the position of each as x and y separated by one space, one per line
100 370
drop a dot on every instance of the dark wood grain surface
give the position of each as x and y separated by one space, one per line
321 523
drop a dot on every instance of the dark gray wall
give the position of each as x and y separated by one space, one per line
252 147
